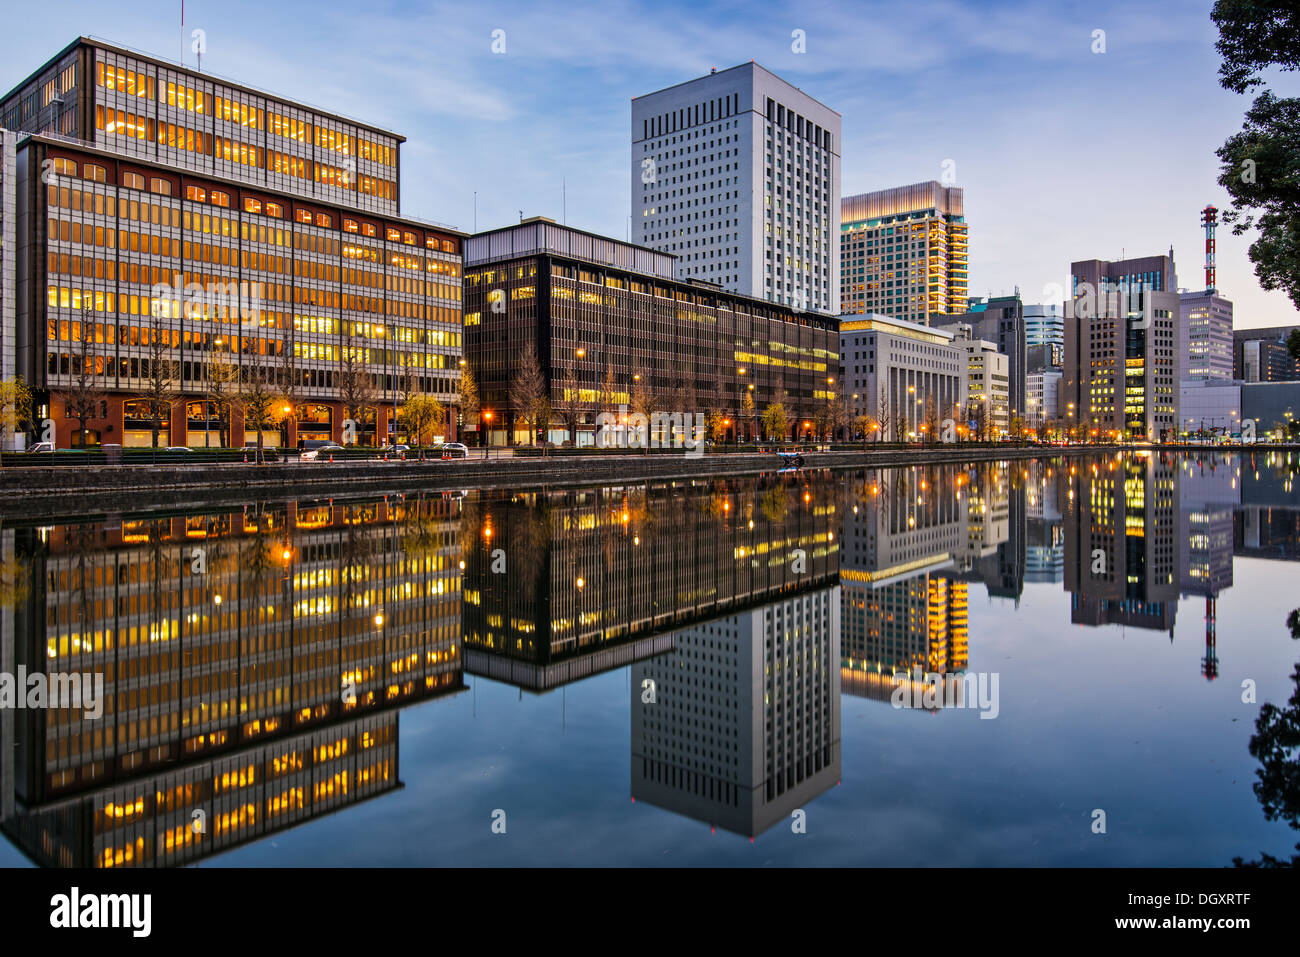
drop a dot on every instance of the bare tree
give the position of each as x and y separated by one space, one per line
355 383
84 399
571 402
258 395
221 390
528 390
931 420
883 418
161 378
289 376
608 389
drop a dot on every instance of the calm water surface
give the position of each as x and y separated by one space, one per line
690 673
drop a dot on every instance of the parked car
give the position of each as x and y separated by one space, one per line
454 450
321 453
42 447
178 448
398 451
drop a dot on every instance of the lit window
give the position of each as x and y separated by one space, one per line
323 219
220 199
196 194
302 215
349 225
274 209
133 180
252 205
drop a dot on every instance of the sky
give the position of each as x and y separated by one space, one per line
1064 153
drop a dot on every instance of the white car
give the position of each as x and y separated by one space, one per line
323 452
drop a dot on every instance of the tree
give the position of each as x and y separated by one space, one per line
83 399
15 408
931 430
607 392
571 402
355 383
221 389
776 421
882 413
160 379
643 402
1261 164
257 395
420 414
748 410
865 425
1293 345
289 377
715 425
527 390
469 400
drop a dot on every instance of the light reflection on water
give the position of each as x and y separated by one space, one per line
690 673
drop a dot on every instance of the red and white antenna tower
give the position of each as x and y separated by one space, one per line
1209 219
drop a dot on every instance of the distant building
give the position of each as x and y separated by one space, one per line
1274 407
1000 320
737 174
893 371
1041 391
1205 335
987 380
1260 355
903 252
1122 365
1044 325
1210 407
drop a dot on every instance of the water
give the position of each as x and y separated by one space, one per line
689 673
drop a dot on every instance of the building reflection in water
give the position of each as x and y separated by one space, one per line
739 724
565 584
913 540
252 662
1121 547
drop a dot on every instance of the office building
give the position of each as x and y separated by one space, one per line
1041 397
1205 335
183 236
1001 321
1210 408
988 386
737 175
608 318
903 252
1261 355
1122 366
744 726
1274 407
906 377
1044 326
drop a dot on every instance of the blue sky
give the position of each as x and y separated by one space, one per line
1064 153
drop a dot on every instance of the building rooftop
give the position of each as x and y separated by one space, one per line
738 66
102 44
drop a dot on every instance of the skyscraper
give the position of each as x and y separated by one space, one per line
903 252
1122 365
738 175
1205 334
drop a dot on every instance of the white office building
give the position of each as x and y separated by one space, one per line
737 174
1041 389
893 371
1044 326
